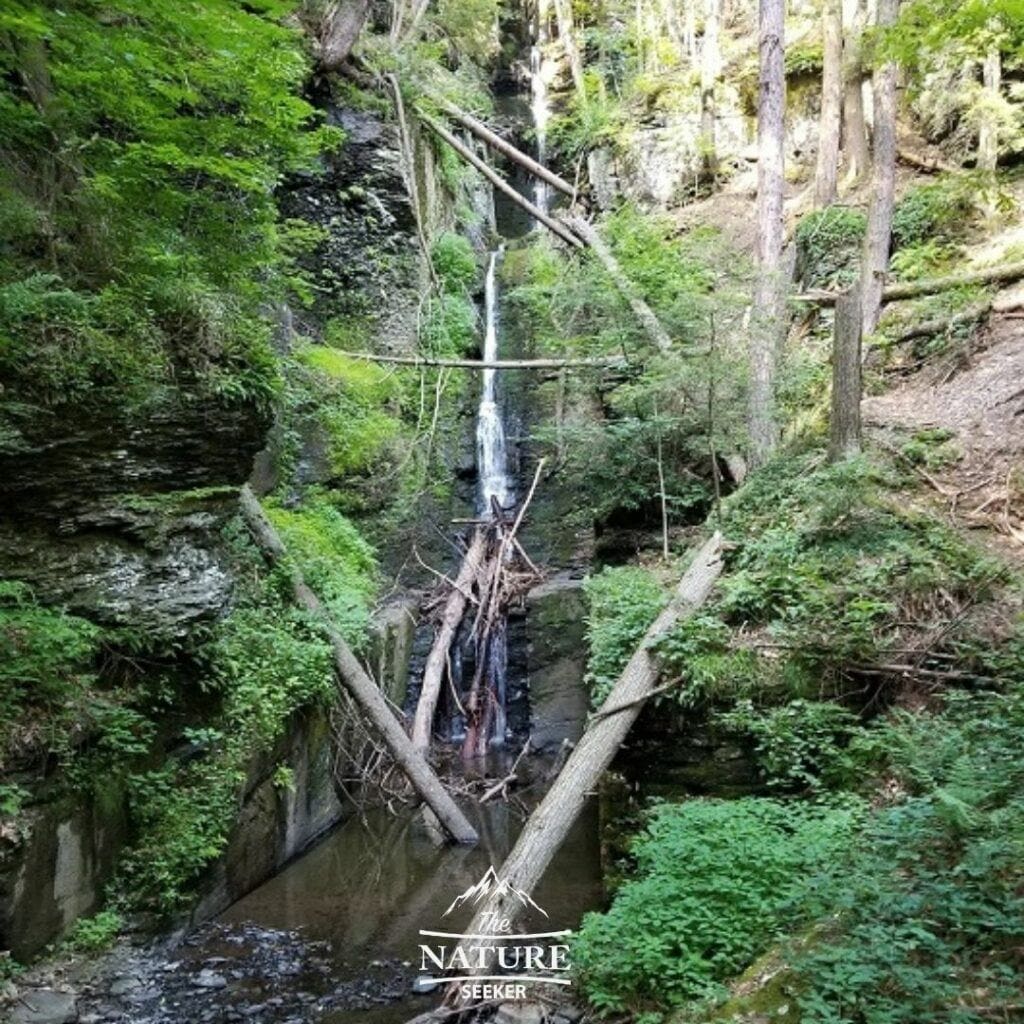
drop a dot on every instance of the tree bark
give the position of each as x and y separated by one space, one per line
988 135
845 423
495 141
567 36
1005 274
493 364
437 660
827 173
501 184
855 132
768 293
551 822
358 684
710 68
878 238
338 30
650 323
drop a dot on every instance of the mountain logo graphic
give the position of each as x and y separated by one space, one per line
488 887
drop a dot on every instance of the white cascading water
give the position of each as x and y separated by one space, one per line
495 483
491 454
540 111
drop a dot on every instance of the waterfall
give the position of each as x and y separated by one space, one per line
491 455
541 112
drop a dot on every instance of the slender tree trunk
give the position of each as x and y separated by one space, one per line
567 36
846 378
878 239
855 132
831 103
710 68
768 301
549 824
359 685
988 135
338 31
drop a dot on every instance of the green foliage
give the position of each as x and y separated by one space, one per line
138 229
623 602
924 915
449 326
96 933
829 243
715 881
935 212
804 58
798 743
454 262
933 448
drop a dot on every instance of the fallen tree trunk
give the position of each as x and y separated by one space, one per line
355 680
650 323
495 141
556 227
1004 274
550 823
553 363
437 660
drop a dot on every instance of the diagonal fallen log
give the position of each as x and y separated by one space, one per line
650 323
353 678
437 660
495 141
550 823
554 226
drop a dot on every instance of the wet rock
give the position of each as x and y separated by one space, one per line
519 1013
123 985
45 1006
209 979
567 1015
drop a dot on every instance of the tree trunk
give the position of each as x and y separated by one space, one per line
988 135
437 660
768 293
846 379
501 184
495 141
551 822
567 37
651 324
339 28
878 238
855 132
1005 274
710 68
358 684
830 123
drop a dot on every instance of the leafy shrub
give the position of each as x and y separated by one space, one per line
715 881
828 242
937 211
454 262
623 602
449 326
92 934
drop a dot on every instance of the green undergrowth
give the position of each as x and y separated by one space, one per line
844 604
139 234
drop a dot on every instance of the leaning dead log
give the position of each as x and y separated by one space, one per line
550 823
650 323
1004 274
495 141
552 363
437 660
339 26
353 678
554 226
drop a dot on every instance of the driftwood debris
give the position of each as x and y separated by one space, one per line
1004 274
495 571
357 683
549 824
553 225
650 323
